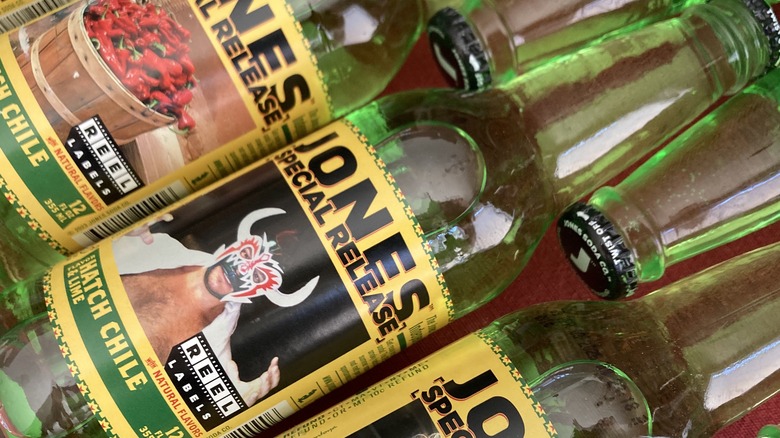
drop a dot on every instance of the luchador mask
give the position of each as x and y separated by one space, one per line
250 268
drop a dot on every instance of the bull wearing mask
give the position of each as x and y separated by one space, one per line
178 292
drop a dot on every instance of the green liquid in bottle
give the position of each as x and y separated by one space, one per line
485 174
683 361
512 37
715 183
349 40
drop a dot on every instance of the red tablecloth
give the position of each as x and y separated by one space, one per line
546 277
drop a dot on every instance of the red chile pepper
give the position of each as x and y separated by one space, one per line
106 27
122 56
186 64
108 53
146 48
182 97
138 74
163 104
180 30
165 67
186 122
149 21
126 24
166 31
180 82
146 40
137 86
97 10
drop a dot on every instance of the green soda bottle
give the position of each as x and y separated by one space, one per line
715 183
483 42
92 143
412 212
684 361
769 431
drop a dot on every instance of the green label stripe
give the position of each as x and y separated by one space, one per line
12 199
110 349
69 360
409 214
29 155
538 409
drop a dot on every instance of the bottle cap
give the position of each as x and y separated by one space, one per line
766 17
597 252
458 51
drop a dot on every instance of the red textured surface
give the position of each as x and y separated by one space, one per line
547 277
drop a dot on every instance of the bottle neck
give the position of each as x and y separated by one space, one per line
497 40
713 184
543 30
597 111
520 36
723 321
742 38
634 225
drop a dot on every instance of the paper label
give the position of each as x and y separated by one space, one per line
15 13
108 160
468 389
245 304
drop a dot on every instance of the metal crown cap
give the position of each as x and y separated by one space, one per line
458 51
766 17
597 252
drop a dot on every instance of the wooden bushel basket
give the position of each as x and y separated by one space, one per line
79 85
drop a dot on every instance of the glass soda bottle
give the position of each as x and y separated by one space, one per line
769 431
684 361
351 244
110 117
483 42
716 182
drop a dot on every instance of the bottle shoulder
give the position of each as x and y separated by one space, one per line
473 178
626 336
358 40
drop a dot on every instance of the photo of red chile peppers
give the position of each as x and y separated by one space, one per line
148 52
